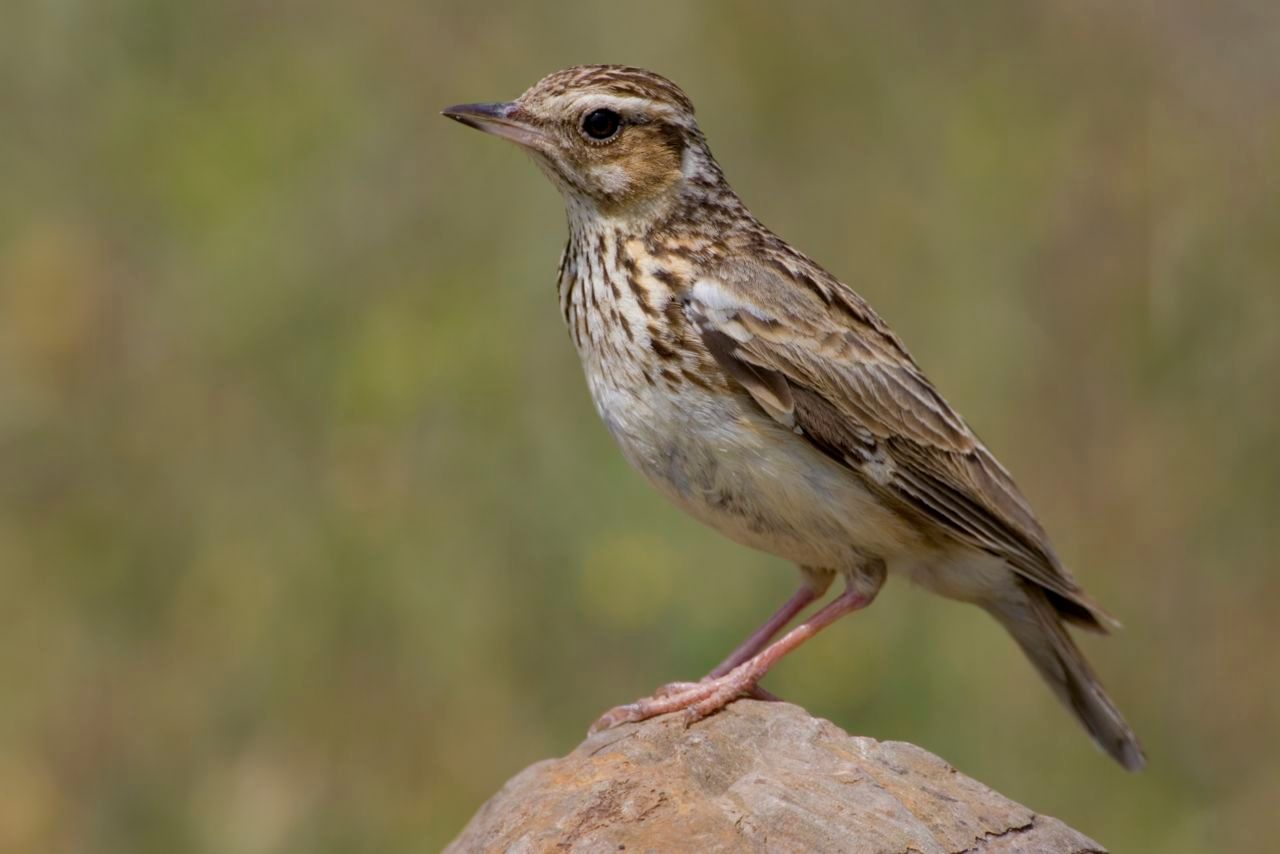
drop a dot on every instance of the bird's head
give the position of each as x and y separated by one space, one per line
616 140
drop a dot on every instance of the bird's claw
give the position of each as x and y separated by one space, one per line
696 699
616 716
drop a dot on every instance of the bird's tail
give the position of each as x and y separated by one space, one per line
1038 629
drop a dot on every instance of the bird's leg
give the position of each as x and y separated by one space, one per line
814 585
704 698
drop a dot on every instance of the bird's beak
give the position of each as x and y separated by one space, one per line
508 121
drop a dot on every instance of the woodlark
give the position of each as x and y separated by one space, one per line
766 399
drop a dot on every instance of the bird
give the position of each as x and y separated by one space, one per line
768 400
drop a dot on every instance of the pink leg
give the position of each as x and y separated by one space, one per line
711 695
815 584
761 636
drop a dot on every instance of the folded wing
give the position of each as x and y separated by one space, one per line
818 359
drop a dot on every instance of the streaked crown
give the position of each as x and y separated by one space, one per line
622 81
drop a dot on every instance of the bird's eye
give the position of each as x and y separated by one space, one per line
601 125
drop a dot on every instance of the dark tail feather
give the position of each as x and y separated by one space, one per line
1038 629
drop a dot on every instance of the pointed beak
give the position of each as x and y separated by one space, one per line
508 121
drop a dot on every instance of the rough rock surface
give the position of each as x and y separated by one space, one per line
755 777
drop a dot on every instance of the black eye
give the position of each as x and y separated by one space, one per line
601 124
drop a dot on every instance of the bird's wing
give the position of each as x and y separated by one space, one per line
815 357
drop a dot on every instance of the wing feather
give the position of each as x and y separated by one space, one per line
834 371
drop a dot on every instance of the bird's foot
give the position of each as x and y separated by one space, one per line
696 699
672 688
703 698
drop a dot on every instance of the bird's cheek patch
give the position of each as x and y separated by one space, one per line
611 178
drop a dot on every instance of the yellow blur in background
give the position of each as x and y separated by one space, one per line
310 538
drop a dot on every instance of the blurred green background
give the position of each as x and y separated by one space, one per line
310 537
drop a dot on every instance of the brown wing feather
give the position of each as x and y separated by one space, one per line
847 382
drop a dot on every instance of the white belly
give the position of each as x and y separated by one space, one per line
758 483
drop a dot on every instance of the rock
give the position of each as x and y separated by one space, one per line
756 777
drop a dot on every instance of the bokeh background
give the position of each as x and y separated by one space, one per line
310 538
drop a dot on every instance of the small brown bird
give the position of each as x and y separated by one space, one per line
766 399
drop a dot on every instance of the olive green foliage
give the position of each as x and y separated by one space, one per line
310 538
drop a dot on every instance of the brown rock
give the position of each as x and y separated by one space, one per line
755 777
